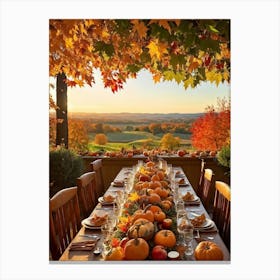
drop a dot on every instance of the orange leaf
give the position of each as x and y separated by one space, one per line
165 25
140 27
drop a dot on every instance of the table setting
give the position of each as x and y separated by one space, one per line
147 217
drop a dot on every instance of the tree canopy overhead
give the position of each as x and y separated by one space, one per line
187 51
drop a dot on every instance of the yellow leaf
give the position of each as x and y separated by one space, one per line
105 34
218 78
153 49
83 30
133 196
157 49
75 38
123 219
226 75
140 27
69 43
212 76
189 82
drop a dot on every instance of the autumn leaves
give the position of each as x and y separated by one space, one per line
186 51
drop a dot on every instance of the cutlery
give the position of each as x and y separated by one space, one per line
199 238
91 236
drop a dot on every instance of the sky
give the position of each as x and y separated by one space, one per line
142 95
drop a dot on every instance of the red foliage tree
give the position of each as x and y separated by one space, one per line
212 130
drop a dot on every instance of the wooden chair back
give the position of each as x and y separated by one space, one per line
87 193
221 211
208 190
64 220
97 167
200 182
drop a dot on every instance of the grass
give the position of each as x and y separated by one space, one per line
138 139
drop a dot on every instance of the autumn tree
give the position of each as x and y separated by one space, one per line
78 136
155 128
186 51
100 139
212 130
169 142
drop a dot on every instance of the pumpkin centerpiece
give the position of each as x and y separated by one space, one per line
142 228
136 249
208 251
165 238
144 214
116 254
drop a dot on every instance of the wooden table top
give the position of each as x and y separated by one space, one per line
82 256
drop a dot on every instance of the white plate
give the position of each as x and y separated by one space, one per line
195 199
87 224
206 225
101 200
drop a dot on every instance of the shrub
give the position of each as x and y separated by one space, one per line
223 158
100 139
169 142
65 168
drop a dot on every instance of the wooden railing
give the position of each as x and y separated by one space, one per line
191 167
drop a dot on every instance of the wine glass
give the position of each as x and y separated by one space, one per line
186 228
180 204
182 215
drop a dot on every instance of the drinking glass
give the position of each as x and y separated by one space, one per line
181 217
188 234
180 205
105 231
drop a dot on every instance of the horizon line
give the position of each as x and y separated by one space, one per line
133 113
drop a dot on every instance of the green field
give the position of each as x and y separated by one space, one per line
130 139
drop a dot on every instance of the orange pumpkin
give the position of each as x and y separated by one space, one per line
138 186
155 184
154 208
165 238
160 174
155 178
150 164
159 216
166 204
141 228
170 198
136 249
164 184
145 214
208 251
154 198
116 254
163 193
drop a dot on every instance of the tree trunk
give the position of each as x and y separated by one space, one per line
61 111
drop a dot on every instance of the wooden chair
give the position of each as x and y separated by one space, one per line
200 182
221 210
64 220
97 167
208 190
87 193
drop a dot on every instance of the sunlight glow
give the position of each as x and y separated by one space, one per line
142 95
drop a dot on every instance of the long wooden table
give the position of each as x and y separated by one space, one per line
82 256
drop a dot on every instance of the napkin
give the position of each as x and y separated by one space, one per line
83 245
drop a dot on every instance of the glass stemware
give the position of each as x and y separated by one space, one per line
185 227
180 205
182 215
